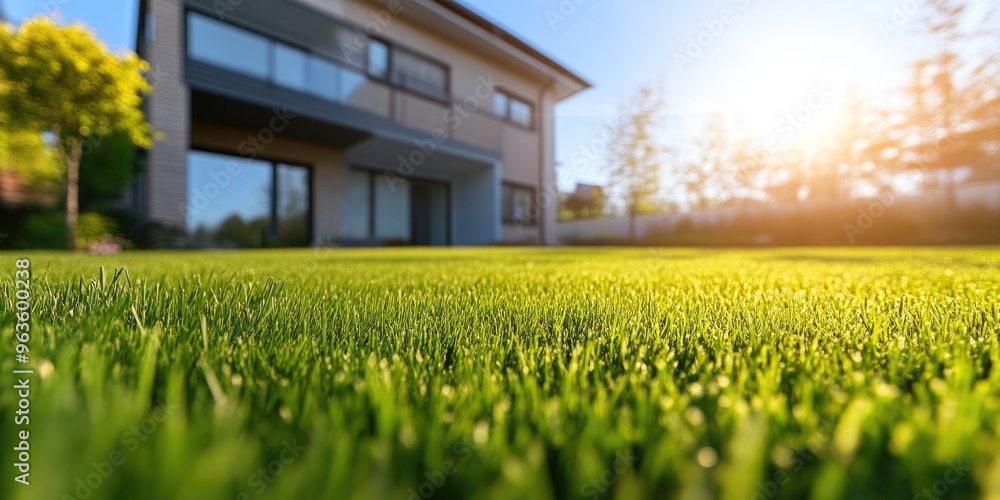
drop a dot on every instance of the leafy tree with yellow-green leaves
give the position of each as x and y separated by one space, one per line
26 153
64 81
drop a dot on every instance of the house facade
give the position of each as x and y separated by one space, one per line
298 122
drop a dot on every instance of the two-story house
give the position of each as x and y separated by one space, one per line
292 122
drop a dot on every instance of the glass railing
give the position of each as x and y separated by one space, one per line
401 98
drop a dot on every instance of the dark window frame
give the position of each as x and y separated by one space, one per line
506 116
375 172
275 38
507 216
274 161
445 96
239 25
388 61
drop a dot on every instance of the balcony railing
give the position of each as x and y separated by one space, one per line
401 98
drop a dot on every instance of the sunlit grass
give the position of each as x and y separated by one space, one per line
831 373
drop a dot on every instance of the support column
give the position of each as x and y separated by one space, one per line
168 112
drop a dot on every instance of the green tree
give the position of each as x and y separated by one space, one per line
26 153
713 178
635 157
64 81
106 169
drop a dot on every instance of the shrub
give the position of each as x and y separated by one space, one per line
95 229
144 233
47 230
42 230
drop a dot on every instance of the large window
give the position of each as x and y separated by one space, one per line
407 69
235 202
290 65
227 46
512 108
333 77
383 207
291 196
418 73
518 205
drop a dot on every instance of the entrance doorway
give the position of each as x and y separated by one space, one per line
429 213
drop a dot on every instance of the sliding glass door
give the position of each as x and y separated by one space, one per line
235 202
387 208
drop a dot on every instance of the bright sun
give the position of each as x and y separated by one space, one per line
796 93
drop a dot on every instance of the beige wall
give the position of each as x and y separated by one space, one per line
549 190
469 69
520 159
328 168
466 66
522 149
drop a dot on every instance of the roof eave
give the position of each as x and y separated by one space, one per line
574 83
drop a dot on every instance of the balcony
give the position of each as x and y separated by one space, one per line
245 62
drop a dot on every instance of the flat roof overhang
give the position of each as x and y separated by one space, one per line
308 23
236 113
223 96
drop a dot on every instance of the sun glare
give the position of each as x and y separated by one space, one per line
796 93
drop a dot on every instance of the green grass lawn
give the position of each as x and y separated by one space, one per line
508 373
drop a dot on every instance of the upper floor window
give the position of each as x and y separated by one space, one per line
418 73
378 59
290 67
314 71
512 108
501 103
406 69
227 46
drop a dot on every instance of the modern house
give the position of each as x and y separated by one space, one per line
292 122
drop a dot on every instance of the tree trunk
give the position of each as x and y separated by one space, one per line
73 149
631 223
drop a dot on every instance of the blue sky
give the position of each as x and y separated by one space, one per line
767 59
113 20
758 58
